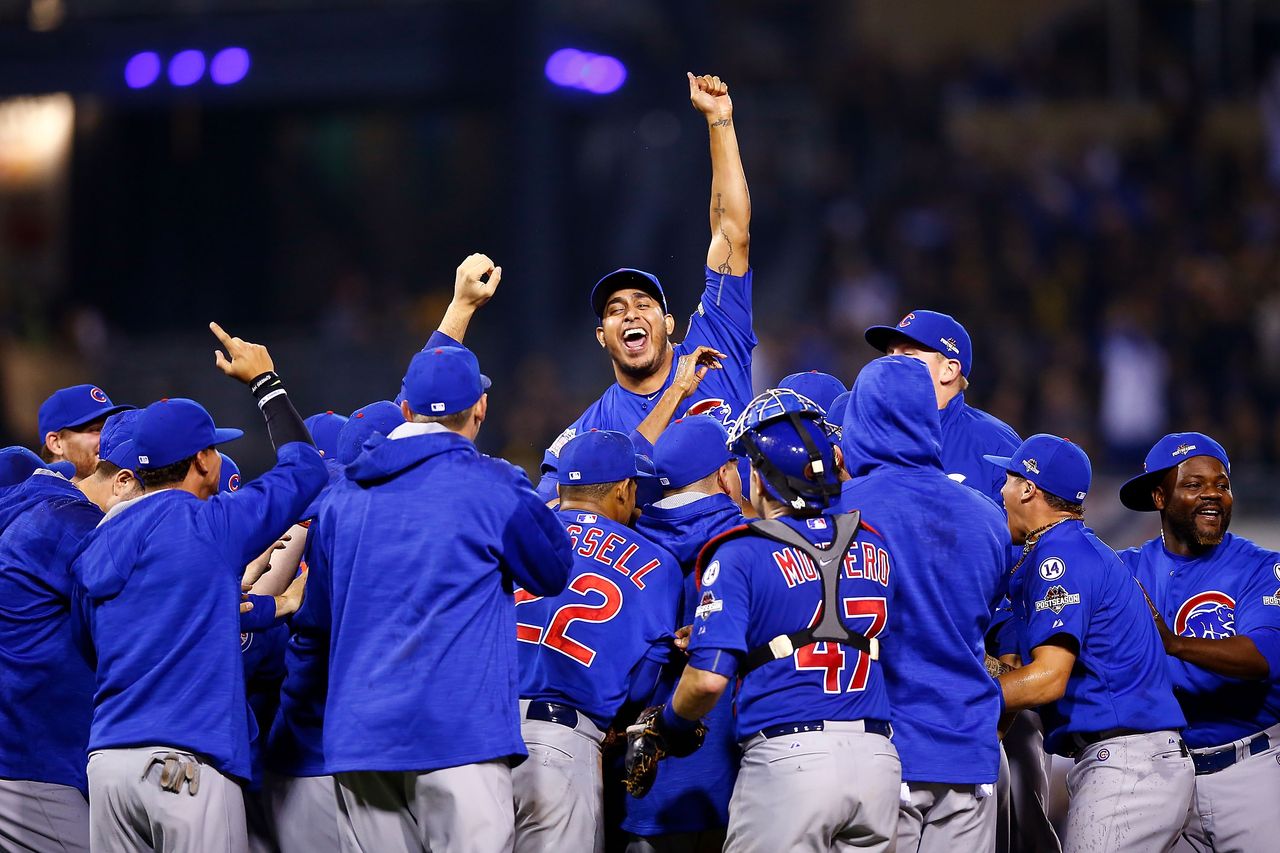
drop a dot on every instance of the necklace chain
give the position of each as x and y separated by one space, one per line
1034 536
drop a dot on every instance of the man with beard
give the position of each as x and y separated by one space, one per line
1217 606
635 325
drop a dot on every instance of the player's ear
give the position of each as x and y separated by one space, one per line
53 442
481 409
949 372
1158 498
600 336
405 410
669 323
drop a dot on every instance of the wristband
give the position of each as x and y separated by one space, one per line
266 386
674 723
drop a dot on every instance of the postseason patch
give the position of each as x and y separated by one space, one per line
1056 598
709 604
1272 600
561 441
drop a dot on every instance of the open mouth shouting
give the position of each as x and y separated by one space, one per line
635 340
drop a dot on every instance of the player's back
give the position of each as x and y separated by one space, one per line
582 647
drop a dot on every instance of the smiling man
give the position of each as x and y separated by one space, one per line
1217 598
635 325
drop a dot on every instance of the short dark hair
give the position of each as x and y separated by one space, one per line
593 492
106 469
1062 504
165 475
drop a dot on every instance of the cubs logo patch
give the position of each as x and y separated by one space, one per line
1031 465
246 640
906 321
950 344
708 605
1183 449
1104 754
1052 568
587 518
1209 615
712 572
98 394
233 482
715 407
1056 598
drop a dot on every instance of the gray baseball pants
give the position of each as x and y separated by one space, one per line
559 791
304 810
835 789
1129 793
129 811
41 817
935 817
1237 810
465 809
1022 792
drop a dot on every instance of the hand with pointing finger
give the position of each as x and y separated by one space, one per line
244 361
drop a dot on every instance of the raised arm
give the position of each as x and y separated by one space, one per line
471 289
730 201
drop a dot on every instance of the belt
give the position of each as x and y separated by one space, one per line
1083 740
875 727
552 712
1220 758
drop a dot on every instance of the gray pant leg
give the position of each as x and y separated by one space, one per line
1237 810
304 810
130 811
940 818
1129 793
815 791
40 817
373 812
559 791
1029 825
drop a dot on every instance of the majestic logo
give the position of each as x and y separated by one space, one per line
97 394
715 407
950 344
1031 466
712 572
1056 598
233 482
1183 449
906 321
1052 569
1209 615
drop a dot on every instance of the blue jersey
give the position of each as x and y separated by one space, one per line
46 686
421 545
1072 583
695 791
587 646
1232 590
967 434
722 321
262 654
953 546
754 589
158 586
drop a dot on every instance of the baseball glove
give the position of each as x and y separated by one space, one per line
648 743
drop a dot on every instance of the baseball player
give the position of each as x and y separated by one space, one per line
324 428
158 582
822 388
46 692
635 325
1218 613
586 652
412 558
70 423
956 543
794 607
1091 661
17 464
702 492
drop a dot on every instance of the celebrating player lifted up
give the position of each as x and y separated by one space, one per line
636 325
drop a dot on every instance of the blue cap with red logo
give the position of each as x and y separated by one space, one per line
821 388
444 380
324 429
376 418
1057 465
17 464
1169 452
172 429
625 279
116 442
73 407
229 479
690 449
929 329
599 456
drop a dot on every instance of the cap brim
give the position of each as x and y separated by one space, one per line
222 436
485 382
1001 462
879 337
1136 493
98 414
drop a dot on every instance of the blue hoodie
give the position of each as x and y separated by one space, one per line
159 591
950 547
968 434
421 545
46 687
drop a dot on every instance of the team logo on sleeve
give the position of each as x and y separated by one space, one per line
1053 568
716 407
709 604
712 572
1209 615
98 394
1056 598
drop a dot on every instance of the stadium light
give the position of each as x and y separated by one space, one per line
596 73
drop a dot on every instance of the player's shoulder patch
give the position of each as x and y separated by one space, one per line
1272 600
707 605
1052 568
561 441
1056 598
711 573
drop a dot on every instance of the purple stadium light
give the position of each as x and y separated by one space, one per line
590 72
186 68
229 66
603 74
142 70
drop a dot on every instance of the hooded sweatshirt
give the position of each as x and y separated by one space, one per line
950 545
421 545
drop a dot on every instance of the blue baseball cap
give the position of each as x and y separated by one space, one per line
1056 465
821 388
690 449
324 429
229 479
931 330
116 443
73 407
623 279
648 489
443 381
839 408
599 456
376 418
172 429
1169 452
17 464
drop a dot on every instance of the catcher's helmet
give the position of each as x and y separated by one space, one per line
788 442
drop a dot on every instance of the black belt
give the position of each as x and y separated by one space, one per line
875 727
1212 762
552 712
1083 740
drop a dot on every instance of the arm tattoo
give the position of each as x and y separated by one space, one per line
722 122
718 210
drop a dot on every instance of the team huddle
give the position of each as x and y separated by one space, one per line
819 618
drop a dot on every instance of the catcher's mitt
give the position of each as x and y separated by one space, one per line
648 742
